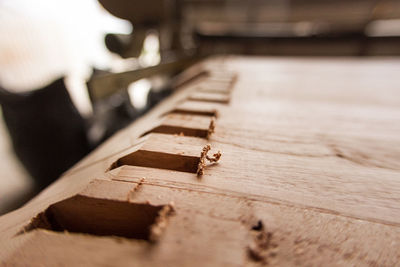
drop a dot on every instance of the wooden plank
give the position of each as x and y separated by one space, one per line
309 176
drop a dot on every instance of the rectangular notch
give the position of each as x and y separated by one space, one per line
99 217
185 125
210 97
159 160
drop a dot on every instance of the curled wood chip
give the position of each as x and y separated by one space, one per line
203 157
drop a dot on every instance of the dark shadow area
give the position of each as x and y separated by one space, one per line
47 132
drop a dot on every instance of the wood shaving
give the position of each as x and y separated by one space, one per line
215 157
203 157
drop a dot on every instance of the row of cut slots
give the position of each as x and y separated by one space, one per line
193 118
107 217
217 94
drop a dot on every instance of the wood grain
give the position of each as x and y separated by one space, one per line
309 175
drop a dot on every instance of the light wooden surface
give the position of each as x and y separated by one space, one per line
309 175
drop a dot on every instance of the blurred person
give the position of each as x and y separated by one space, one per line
47 53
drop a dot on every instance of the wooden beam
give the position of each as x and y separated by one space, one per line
309 176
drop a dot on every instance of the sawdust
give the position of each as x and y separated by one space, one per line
161 222
262 249
203 157
211 128
202 162
135 189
